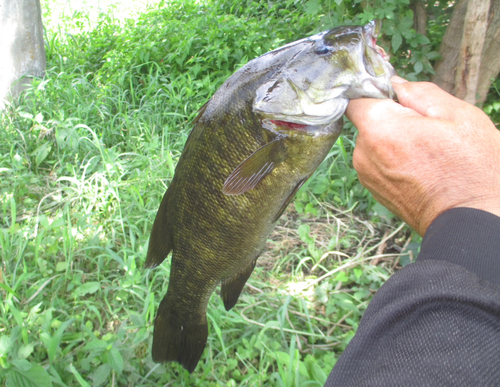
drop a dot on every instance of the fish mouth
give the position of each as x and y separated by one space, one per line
371 32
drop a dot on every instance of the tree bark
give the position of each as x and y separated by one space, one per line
490 64
419 16
446 67
473 39
22 51
470 50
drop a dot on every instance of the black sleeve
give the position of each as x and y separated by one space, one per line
437 321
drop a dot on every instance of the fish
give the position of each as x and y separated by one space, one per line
253 145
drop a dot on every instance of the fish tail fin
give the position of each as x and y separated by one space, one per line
160 241
231 287
178 340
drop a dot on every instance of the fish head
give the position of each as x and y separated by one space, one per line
314 85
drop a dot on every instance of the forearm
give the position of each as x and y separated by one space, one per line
466 237
436 322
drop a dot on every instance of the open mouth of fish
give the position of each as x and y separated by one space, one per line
380 50
371 31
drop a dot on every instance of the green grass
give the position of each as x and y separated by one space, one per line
85 157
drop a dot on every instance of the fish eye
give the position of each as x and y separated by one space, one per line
323 50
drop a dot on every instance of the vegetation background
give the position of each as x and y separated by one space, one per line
88 151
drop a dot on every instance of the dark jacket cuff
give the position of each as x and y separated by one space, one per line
466 237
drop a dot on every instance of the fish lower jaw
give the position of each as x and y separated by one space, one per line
371 87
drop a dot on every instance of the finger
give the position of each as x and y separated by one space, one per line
370 177
369 173
368 111
360 110
360 161
380 119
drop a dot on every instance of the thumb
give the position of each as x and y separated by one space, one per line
428 99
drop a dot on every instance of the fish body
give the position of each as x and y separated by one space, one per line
253 145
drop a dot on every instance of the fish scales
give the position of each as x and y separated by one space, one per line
254 143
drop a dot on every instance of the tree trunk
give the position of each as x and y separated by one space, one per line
490 64
419 16
22 51
470 50
473 39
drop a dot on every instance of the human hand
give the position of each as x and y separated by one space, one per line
427 154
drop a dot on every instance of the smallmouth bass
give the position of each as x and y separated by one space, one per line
253 145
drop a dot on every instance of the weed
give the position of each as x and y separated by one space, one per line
85 157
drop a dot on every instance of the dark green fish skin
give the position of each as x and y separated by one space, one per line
240 168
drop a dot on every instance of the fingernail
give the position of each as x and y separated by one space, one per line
397 79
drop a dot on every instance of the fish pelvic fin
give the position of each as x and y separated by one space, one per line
255 168
289 198
160 241
177 339
201 111
231 287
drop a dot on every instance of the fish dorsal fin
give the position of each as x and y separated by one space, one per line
256 167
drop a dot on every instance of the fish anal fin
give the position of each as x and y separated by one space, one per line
178 340
255 168
231 287
289 198
160 241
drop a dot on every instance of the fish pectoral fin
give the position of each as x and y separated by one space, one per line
231 287
256 167
175 339
160 241
290 197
